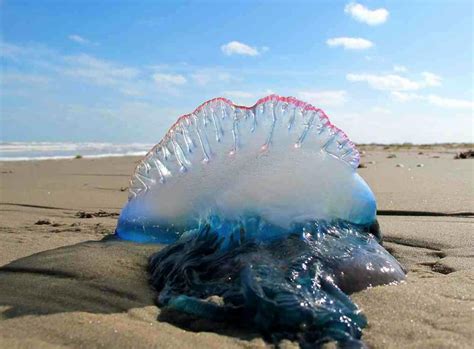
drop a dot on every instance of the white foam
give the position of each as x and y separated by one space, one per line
27 151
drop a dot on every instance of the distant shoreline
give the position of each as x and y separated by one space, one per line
71 157
420 145
26 151
94 153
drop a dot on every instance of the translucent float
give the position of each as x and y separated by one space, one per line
260 206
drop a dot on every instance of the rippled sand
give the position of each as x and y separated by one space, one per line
60 287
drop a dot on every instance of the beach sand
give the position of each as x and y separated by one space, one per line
60 286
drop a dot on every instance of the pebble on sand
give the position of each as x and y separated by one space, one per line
43 222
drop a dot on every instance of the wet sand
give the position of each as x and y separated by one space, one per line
60 286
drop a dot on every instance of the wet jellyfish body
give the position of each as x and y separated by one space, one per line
261 207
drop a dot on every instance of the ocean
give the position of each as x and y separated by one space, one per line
23 151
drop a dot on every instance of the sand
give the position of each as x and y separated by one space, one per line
61 286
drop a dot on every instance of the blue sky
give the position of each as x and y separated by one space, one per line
123 71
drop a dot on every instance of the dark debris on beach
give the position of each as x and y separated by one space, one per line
469 154
100 213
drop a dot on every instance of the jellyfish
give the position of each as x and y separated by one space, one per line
263 208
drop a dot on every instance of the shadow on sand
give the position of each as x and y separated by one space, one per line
99 277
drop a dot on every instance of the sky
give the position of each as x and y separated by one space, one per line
124 71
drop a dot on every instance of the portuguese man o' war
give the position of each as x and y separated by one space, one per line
262 207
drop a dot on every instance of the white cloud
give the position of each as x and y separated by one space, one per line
324 98
405 97
350 43
97 71
393 82
124 79
80 40
34 53
127 80
124 95
431 79
169 79
363 14
203 77
15 83
443 102
389 82
22 78
238 48
450 102
9 50
400 68
381 110
81 67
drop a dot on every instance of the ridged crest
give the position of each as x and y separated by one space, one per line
218 127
